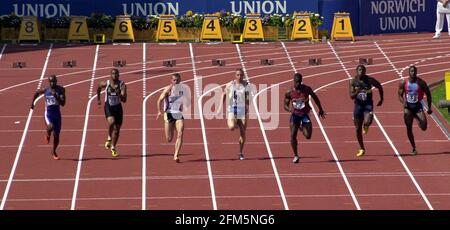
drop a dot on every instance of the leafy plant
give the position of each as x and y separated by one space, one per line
10 21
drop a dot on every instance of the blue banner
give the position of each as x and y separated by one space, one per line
395 16
52 8
367 16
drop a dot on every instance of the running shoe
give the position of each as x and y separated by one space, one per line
360 153
413 152
55 156
108 144
241 156
365 130
114 153
176 159
296 159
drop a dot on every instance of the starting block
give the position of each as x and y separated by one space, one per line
315 61
266 62
169 63
69 64
19 64
217 62
365 61
119 63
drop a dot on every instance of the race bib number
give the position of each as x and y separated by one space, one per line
362 96
412 97
298 104
50 100
113 99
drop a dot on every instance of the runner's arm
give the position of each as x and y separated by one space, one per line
36 95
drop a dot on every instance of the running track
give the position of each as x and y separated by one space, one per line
329 175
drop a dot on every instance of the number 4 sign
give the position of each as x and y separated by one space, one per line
211 29
167 28
342 27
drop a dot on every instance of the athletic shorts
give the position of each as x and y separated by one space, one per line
173 117
114 111
299 119
55 119
360 109
414 107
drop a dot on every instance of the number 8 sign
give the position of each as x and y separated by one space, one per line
29 29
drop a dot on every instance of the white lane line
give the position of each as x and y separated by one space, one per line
91 86
144 132
24 134
144 69
202 123
269 151
83 138
3 50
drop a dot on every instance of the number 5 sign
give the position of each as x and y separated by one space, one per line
123 30
342 27
253 27
167 28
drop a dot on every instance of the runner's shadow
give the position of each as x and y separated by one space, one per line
290 157
423 154
165 154
96 158
349 160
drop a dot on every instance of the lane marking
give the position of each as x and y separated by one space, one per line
208 162
83 138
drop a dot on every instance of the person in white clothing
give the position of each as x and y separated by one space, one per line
442 9
174 97
236 96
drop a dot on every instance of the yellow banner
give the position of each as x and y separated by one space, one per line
211 28
167 28
253 27
342 27
78 30
302 27
123 29
29 29
447 85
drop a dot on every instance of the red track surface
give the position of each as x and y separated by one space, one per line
267 179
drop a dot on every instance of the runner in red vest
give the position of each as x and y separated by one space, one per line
410 94
298 97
